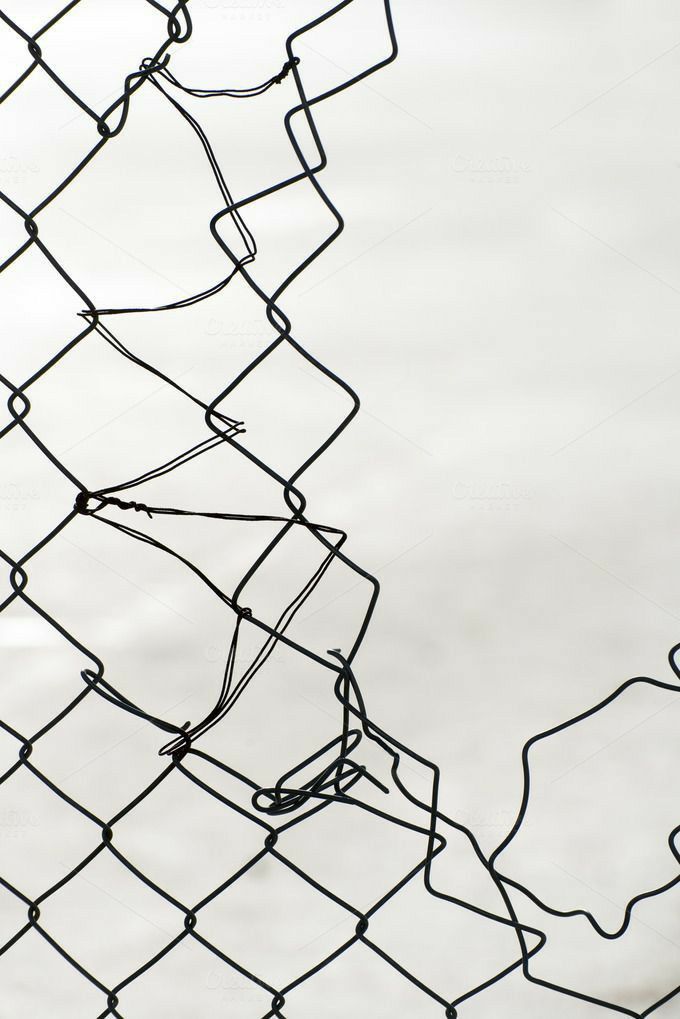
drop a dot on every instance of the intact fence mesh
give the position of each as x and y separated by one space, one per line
362 770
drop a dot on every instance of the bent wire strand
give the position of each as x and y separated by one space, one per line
333 771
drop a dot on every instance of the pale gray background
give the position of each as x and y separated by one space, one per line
505 301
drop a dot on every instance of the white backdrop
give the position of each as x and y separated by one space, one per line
504 299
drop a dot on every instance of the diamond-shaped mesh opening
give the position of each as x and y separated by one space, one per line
100 755
40 670
95 580
101 440
109 920
54 839
361 985
120 37
179 822
275 924
32 974
39 329
462 948
49 134
296 426
34 494
375 854
192 980
347 43
140 257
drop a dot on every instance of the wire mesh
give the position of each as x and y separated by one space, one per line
335 777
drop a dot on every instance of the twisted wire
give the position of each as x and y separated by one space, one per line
332 776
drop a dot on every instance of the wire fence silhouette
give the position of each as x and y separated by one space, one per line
334 777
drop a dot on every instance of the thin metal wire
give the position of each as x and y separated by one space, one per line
337 775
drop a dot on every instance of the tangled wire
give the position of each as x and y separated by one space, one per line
332 777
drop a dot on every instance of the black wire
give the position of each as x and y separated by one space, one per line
333 775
